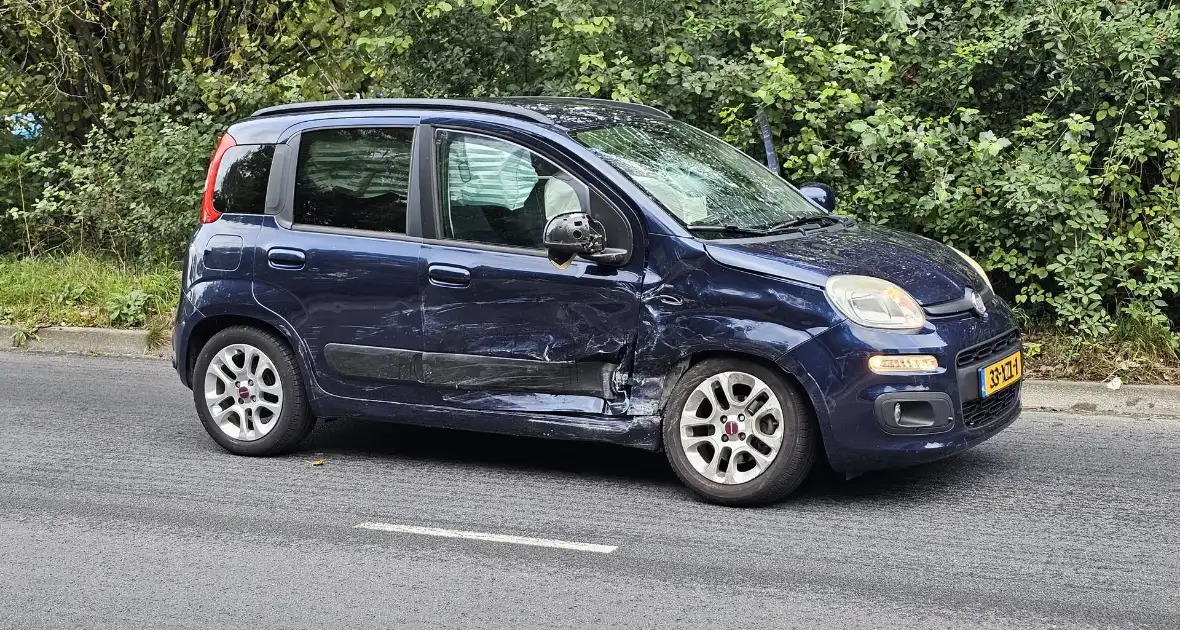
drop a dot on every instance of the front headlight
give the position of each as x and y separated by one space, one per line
976 266
874 303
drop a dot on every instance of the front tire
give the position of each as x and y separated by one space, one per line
738 433
249 394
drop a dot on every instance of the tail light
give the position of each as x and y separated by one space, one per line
210 214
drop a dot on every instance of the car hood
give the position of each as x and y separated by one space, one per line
928 270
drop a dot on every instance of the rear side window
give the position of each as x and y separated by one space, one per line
240 187
354 178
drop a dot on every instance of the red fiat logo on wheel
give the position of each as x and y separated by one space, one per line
731 428
243 392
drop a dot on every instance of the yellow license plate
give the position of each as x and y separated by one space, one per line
999 375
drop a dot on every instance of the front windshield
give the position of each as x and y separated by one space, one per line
698 178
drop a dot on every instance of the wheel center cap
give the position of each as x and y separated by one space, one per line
243 392
731 428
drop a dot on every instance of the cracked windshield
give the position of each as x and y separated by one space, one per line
707 184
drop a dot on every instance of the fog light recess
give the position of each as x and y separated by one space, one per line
914 415
903 363
915 412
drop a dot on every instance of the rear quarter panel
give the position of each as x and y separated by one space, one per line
217 281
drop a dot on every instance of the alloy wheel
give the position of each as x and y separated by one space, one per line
731 427
244 392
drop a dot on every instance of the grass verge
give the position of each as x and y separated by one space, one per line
83 290
1134 353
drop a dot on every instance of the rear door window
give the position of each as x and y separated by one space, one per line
240 186
354 178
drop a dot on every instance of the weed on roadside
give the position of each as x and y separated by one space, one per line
23 334
159 332
127 310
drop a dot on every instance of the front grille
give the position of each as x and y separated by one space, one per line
981 412
995 345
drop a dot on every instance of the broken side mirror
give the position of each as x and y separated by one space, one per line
572 234
821 195
578 234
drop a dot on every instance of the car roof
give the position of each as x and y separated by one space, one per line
563 112
579 113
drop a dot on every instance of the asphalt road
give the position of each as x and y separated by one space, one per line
117 511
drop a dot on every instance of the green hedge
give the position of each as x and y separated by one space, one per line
1040 137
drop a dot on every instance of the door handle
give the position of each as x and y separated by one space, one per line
284 258
448 276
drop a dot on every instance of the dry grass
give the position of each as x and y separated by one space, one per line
1134 353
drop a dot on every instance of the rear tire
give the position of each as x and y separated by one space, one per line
249 393
738 433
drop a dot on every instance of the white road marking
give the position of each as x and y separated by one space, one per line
503 538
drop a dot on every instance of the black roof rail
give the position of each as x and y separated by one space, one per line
638 108
405 103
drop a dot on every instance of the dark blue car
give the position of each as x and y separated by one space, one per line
575 269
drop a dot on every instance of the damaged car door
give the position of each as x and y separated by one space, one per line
504 327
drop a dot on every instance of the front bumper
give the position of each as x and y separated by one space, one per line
855 406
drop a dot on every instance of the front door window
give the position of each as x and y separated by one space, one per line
499 193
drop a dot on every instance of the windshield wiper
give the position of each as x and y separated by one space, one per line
733 229
800 223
